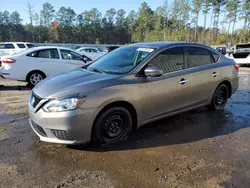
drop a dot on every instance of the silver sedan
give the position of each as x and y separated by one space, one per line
129 87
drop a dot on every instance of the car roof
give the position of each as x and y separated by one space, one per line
15 42
162 44
85 47
48 47
30 50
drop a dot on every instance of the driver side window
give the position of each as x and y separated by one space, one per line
170 60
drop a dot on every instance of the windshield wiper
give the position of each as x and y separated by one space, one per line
103 71
97 70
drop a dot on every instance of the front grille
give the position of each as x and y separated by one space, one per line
241 55
61 134
35 100
39 129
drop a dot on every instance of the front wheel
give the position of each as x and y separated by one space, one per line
112 125
220 98
34 78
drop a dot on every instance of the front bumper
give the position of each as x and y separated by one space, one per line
70 127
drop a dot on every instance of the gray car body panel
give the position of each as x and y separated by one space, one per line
152 97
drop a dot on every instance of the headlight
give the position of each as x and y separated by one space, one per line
63 105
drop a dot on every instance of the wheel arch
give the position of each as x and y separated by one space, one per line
35 71
125 104
229 85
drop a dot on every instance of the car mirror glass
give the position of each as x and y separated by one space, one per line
153 71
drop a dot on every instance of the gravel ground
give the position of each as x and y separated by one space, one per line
195 149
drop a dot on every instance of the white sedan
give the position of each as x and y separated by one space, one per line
38 63
91 52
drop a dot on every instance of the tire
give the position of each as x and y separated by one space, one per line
34 77
113 125
220 98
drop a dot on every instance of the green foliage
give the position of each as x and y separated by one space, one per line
97 41
66 16
178 21
47 14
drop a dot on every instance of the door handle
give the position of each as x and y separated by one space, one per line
183 81
215 74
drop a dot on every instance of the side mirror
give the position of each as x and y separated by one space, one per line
85 59
153 71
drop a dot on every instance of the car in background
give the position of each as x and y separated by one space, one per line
222 50
88 49
240 56
108 49
93 53
128 88
242 45
9 48
38 63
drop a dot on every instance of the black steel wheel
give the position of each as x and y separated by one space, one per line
112 125
220 98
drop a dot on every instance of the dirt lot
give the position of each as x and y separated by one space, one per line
195 149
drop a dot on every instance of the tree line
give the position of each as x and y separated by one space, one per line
177 21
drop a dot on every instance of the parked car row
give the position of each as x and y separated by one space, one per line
125 89
222 50
240 56
38 63
34 65
9 48
92 52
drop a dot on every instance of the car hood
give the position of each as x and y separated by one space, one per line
78 81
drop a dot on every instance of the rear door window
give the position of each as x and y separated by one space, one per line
170 60
30 45
43 54
196 56
20 45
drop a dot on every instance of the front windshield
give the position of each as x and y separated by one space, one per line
122 60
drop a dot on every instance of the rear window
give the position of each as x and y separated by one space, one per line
196 56
240 46
30 45
20 45
6 46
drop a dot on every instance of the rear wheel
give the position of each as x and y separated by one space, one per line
220 98
35 77
112 125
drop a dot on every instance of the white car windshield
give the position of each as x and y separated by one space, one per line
121 60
